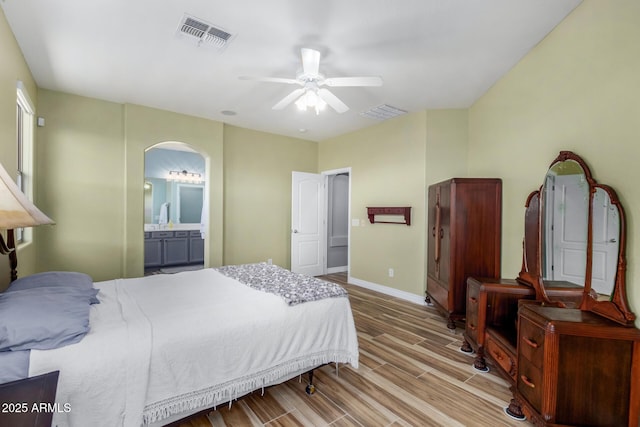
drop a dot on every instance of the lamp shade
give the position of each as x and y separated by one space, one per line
15 209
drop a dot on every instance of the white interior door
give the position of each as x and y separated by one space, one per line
307 220
570 216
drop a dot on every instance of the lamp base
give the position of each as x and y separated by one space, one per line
9 248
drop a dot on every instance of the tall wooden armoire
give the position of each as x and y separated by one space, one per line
464 235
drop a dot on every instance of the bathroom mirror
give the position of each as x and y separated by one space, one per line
575 235
174 185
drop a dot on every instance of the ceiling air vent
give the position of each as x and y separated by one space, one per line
383 112
203 33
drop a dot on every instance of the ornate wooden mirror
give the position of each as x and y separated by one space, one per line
575 236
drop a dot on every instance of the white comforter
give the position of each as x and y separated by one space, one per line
171 344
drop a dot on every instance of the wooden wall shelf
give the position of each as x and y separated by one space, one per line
404 211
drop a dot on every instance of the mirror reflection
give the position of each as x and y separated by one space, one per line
575 234
565 220
606 243
174 186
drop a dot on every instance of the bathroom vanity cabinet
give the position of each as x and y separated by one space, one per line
166 248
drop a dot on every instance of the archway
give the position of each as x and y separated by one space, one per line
175 208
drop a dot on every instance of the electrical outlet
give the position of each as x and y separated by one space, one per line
391 272
269 261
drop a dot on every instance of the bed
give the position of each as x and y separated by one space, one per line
162 347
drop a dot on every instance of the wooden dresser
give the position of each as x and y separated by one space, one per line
563 333
491 327
464 239
574 363
492 305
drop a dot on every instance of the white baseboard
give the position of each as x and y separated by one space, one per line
407 296
342 269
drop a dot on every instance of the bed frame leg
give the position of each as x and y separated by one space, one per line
310 387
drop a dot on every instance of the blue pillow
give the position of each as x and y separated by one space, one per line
66 279
14 365
43 318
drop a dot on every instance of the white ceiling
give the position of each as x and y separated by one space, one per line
431 54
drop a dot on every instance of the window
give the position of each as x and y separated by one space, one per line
24 139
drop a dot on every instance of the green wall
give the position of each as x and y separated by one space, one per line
577 90
146 127
13 67
392 163
91 175
257 200
80 177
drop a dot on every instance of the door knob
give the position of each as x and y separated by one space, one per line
295 231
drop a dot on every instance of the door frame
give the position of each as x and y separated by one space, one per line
325 216
176 145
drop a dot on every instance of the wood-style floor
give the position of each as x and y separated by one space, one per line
411 374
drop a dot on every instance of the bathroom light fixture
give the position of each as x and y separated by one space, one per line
184 176
16 211
311 99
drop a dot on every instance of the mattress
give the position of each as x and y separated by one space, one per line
164 346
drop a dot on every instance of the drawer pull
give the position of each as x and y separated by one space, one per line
530 342
527 381
473 300
472 326
498 355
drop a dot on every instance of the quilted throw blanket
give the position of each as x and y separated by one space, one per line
295 288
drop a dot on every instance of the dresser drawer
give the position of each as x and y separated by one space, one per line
531 342
501 355
471 328
529 383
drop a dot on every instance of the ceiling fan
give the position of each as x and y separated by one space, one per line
312 93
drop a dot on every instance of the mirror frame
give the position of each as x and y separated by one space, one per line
617 308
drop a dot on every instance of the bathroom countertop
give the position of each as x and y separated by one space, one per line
174 227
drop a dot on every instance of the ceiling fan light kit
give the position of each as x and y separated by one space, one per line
311 94
311 99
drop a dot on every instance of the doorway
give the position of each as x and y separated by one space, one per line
337 223
175 194
320 231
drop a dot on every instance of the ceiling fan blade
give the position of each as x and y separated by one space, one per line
332 100
288 99
353 81
310 61
270 79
